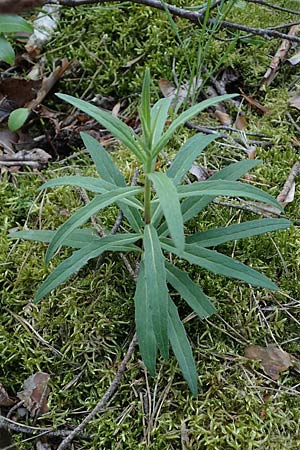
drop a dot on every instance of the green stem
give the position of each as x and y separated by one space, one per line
147 192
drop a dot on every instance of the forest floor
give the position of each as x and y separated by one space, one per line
79 334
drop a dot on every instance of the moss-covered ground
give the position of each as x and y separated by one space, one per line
80 332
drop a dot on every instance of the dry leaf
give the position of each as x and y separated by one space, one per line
4 397
199 172
288 191
279 57
35 393
295 59
223 117
295 101
116 109
240 122
273 359
252 102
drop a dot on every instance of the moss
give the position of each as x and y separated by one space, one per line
80 332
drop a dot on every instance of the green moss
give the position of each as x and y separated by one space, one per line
80 332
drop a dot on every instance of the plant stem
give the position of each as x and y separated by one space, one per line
147 192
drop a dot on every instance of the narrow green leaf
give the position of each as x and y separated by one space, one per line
220 264
145 107
79 258
182 348
186 156
105 165
91 184
77 239
159 115
17 118
226 188
14 24
117 128
169 202
218 236
109 172
7 53
156 286
144 323
185 116
190 291
83 214
192 206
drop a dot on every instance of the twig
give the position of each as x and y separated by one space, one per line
270 5
192 16
107 396
26 429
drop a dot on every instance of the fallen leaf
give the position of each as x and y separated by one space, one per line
295 101
223 117
35 393
252 102
199 172
273 359
288 191
279 57
295 59
5 400
241 121
116 109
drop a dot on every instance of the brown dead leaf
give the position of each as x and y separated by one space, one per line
5 400
279 57
288 191
35 393
273 359
241 121
13 7
223 117
252 102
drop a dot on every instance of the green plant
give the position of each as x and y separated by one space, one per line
158 222
10 24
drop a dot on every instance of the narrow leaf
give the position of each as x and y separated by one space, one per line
190 207
83 214
7 53
14 24
226 188
145 107
185 116
190 291
169 202
144 323
159 115
218 236
129 206
186 156
156 286
182 348
110 173
77 239
105 166
79 258
117 128
220 264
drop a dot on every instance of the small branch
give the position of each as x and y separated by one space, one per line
107 396
270 5
9 424
192 16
